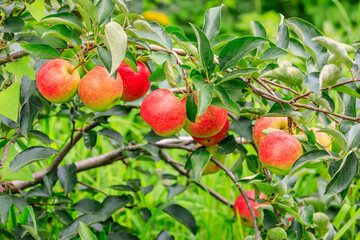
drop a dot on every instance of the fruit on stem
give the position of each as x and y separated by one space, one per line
99 91
164 113
263 123
241 208
57 80
278 151
213 140
208 124
136 84
321 137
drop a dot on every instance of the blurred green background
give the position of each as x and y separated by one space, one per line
336 19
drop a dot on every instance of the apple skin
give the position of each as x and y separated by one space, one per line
165 114
136 84
278 151
213 140
212 167
208 124
55 82
241 208
321 137
98 91
265 123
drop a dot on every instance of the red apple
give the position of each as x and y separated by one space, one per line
265 123
57 80
164 112
241 208
98 91
213 140
278 151
208 124
136 85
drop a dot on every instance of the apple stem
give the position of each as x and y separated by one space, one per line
72 70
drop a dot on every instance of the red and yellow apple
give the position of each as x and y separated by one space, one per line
263 123
57 80
135 84
241 208
98 91
164 112
213 140
278 151
321 137
208 124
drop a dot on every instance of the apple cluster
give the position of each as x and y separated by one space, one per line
58 81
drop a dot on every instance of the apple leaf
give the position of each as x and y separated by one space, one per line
199 158
169 74
104 8
312 81
65 18
21 67
5 204
40 50
205 95
85 232
340 138
9 99
273 53
90 9
226 101
182 215
116 43
286 74
30 155
36 9
237 73
283 39
191 108
153 32
212 19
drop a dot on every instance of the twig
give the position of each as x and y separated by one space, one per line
94 188
279 85
187 83
242 191
339 84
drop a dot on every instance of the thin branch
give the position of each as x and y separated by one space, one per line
187 83
94 188
339 84
242 191
279 85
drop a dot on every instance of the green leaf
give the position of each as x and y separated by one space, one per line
85 232
258 29
175 189
312 81
283 35
5 204
28 113
269 219
67 177
65 18
310 159
221 40
340 138
273 53
104 8
105 57
329 75
21 67
113 203
85 17
32 231
344 175
199 159
169 74
277 233
30 155
9 99
227 102
164 235
191 108
243 127
86 205
227 145
116 43
212 20
238 73
353 137
182 215
90 138
36 9
13 24
336 48
205 95
90 9
112 134
306 32
122 6
278 110
297 48
236 49
153 32
72 229
286 74
158 75
39 50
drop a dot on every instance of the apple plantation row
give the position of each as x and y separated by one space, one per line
91 93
